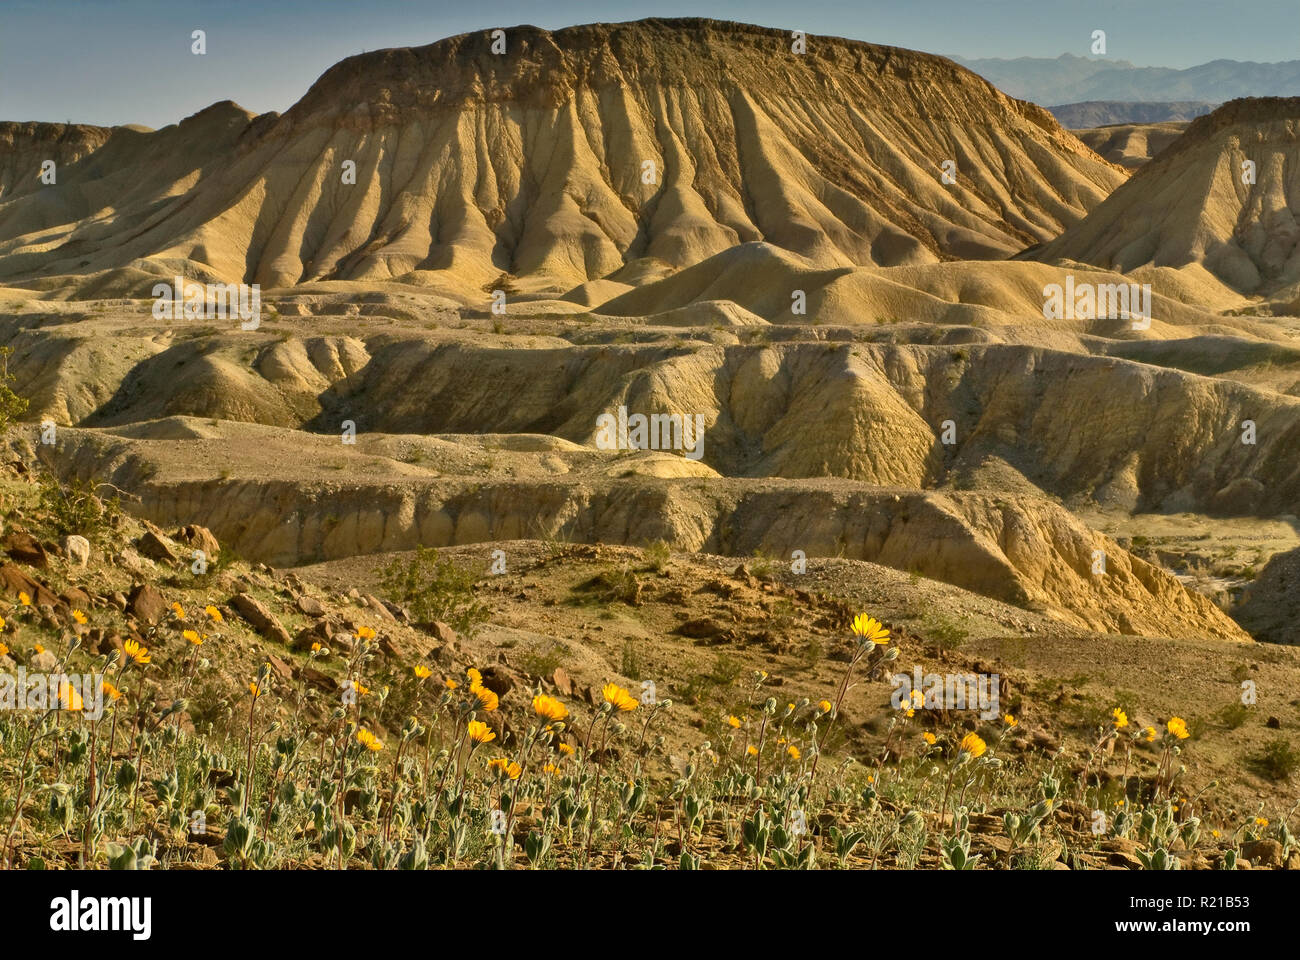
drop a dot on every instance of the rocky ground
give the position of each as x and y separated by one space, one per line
716 636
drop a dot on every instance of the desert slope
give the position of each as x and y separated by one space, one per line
1190 206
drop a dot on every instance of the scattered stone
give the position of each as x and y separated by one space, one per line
44 662
25 548
154 547
309 606
14 581
1263 853
443 633
318 632
563 682
498 680
700 629
199 538
279 667
76 598
377 605
146 604
261 619
317 678
77 550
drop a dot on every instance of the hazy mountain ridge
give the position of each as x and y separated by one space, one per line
1070 79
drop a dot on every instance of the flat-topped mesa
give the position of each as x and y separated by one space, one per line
544 68
616 152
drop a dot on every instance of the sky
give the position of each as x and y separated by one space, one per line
128 61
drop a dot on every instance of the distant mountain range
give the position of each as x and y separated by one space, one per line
1101 113
1068 79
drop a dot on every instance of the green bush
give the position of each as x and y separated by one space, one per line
657 556
74 509
434 588
12 406
1278 760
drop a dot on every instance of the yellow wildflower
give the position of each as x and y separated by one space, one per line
617 697
548 708
869 629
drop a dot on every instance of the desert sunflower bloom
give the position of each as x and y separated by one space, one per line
193 637
793 751
79 617
479 732
1119 718
24 599
973 745
488 700
112 691
1150 734
4 650
869 629
138 653
450 684
369 740
752 750
365 633
1177 726
567 749
254 689
548 708
929 738
733 722
1009 720
178 610
617 697
422 672
505 767
213 613
474 676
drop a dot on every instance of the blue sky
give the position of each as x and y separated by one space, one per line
129 61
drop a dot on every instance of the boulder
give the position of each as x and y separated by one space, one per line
261 619
14 581
198 538
146 604
77 549
25 548
154 547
